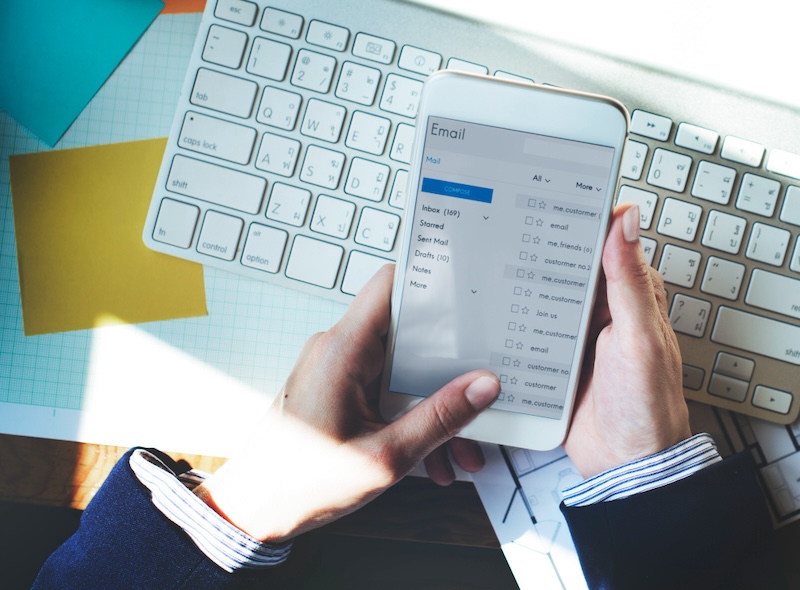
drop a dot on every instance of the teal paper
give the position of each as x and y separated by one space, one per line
56 54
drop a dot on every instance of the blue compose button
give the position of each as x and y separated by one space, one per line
454 189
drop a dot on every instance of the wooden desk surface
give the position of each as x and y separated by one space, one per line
67 474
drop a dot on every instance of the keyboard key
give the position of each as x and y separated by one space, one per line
327 35
724 232
368 133
693 377
768 244
367 179
333 217
669 170
713 182
358 83
360 269
282 23
757 334
236 11
224 93
401 96
277 154
723 278
696 138
224 46
649 248
419 60
774 292
269 59
466 66
176 222
374 48
397 196
633 159
790 212
313 71
218 138
322 167
377 229
403 141
650 125
645 199
314 261
220 235
679 266
735 366
212 183
679 219
288 204
794 264
742 151
785 163
513 77
689 315
279 108
758 195
772 399
728 387
263 248
323 120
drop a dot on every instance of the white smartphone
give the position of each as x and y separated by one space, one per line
509 199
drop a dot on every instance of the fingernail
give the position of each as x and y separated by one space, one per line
482 392
630 224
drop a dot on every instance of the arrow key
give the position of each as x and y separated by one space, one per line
774 400
728 387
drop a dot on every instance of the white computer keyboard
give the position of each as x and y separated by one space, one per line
287 162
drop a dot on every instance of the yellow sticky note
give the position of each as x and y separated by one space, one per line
78 218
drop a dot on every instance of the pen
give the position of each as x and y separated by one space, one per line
517 483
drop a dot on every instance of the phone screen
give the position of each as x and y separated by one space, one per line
503 240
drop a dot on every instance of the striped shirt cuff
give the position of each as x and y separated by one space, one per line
668 466
224 544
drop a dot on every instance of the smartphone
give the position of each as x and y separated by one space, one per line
509 200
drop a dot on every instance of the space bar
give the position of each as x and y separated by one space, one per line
757 334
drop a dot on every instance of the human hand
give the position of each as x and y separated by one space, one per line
323 449
630 402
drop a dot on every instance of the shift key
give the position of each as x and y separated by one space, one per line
757 334
216 184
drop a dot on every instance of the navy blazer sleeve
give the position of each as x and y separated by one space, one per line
710 530
125 542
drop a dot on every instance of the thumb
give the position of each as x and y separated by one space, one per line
441 416
629 287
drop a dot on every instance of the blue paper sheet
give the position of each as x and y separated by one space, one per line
55 55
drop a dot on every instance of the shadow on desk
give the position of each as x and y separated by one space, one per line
415 535
328 559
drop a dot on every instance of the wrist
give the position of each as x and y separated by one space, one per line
659 469
235 500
